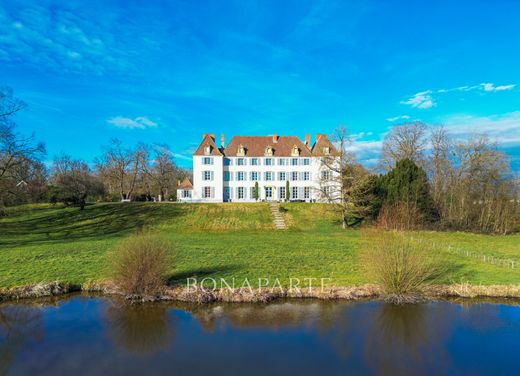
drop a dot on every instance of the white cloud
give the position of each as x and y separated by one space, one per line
396 118
422 100
492 87
503 128
140 122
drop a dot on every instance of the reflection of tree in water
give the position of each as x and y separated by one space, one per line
139 328
407 339
18 325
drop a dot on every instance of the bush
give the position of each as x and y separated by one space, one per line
400 216
139 265
399 263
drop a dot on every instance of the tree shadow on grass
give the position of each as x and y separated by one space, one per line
215 272
95 222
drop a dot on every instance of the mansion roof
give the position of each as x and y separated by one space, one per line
260 146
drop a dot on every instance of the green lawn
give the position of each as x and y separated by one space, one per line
40 243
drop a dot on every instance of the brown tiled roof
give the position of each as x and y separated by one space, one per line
208 139
186 184
323 141
255 146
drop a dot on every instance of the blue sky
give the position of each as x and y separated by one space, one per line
167 72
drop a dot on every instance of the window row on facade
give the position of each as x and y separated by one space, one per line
257 176
260 161
268 193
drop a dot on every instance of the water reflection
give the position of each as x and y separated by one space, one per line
406 339
19 324
140 329
286 337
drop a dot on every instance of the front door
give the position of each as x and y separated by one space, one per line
268 193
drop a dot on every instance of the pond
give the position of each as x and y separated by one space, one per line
86 335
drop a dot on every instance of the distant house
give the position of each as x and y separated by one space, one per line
184 191
230 172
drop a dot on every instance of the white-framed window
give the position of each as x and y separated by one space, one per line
207 175
295 151
268 193
281 193
227 162
268 176
268 151
227 176
254 161
306 175
294 193
306 193
208 192
326 150
294 175
240 161
207 150
241 176
327 189
207 161
268 162
186 193
240 193
254 176
306 161
281 176
325 175
294 161
281 161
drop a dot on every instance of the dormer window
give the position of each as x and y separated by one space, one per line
269 151
241 151
326 150
207 150
295 151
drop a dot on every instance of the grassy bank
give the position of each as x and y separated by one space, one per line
43 243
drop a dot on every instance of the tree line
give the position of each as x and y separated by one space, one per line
428 179
144 172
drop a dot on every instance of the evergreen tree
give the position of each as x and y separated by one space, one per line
287 191
407 183
255 191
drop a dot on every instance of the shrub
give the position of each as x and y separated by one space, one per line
399 216
399 263
139 264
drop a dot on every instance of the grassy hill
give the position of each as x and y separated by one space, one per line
41 243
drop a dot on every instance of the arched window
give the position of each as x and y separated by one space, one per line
207 150
269 151
326 150
241 151
295 151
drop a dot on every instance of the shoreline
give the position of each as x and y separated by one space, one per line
241 295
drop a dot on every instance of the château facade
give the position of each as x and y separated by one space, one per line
284 167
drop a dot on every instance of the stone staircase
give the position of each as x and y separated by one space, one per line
278 219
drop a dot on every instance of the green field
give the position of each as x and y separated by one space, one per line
43 243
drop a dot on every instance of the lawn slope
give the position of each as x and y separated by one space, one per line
42 243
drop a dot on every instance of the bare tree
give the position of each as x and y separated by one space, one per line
341 178
478 191
17 152
406 141
74 181
120 168
163 171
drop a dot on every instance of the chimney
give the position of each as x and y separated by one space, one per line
222 143
308 140
275 138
